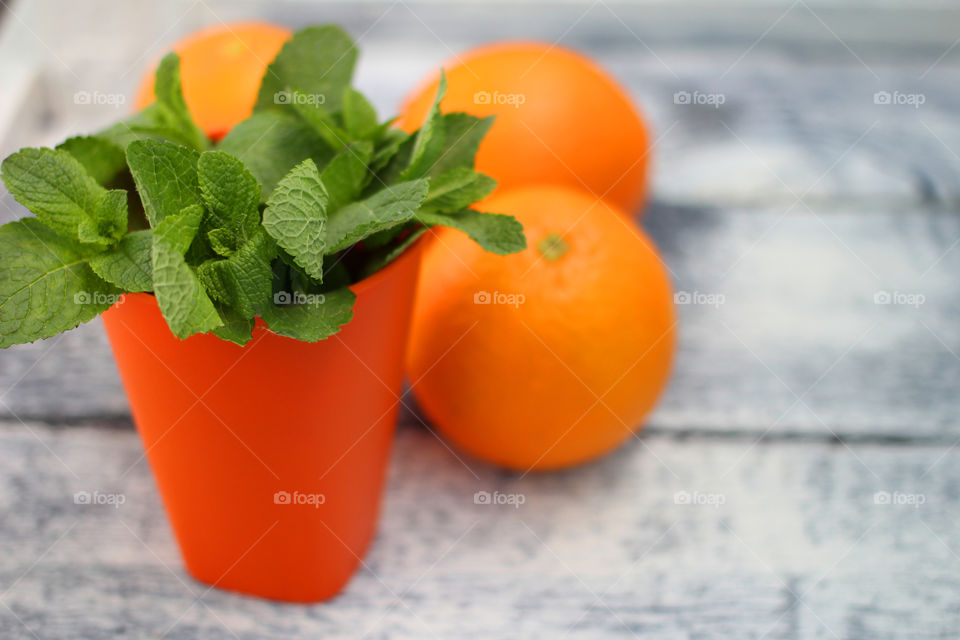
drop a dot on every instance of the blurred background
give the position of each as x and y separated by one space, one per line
805 199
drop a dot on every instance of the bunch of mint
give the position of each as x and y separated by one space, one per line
307 196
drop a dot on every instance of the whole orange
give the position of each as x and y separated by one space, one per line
221 68
560 118
552 356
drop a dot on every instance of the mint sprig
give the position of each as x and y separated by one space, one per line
63 196
127 265
166 177
296 217
183 302
306 197
46 285
317 61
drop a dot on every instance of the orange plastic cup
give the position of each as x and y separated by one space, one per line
270 458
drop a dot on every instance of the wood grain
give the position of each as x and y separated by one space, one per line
799 478
666 539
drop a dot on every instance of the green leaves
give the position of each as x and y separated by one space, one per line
169 117
458 189
320 120
296 217
272 143
347 174
494 232
310 317
462 134
359 116
166 177
235 328
183 302
46 285
102 159
180 230
317 61
231 194
109 220
64 197
296 204
387 208
428 144
243 281
127 265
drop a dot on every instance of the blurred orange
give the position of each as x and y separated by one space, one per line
560 119
221 68
552 356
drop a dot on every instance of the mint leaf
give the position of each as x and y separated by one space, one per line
222 241
58 190
331 176
166 177
272 143
494 232
320 120
387 149
142 126
318 316
184 304
102 159
463 134
231 193
46 286
244 280
127 265
318 61
388 207
347 174
180 230
236 328
359 116
429 141
169 116
111 217
296 217
457 189
121 135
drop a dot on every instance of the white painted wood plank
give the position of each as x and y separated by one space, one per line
787 541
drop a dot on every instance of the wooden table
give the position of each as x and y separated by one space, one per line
799 479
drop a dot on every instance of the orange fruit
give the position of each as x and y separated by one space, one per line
549 357
221 68
560 118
